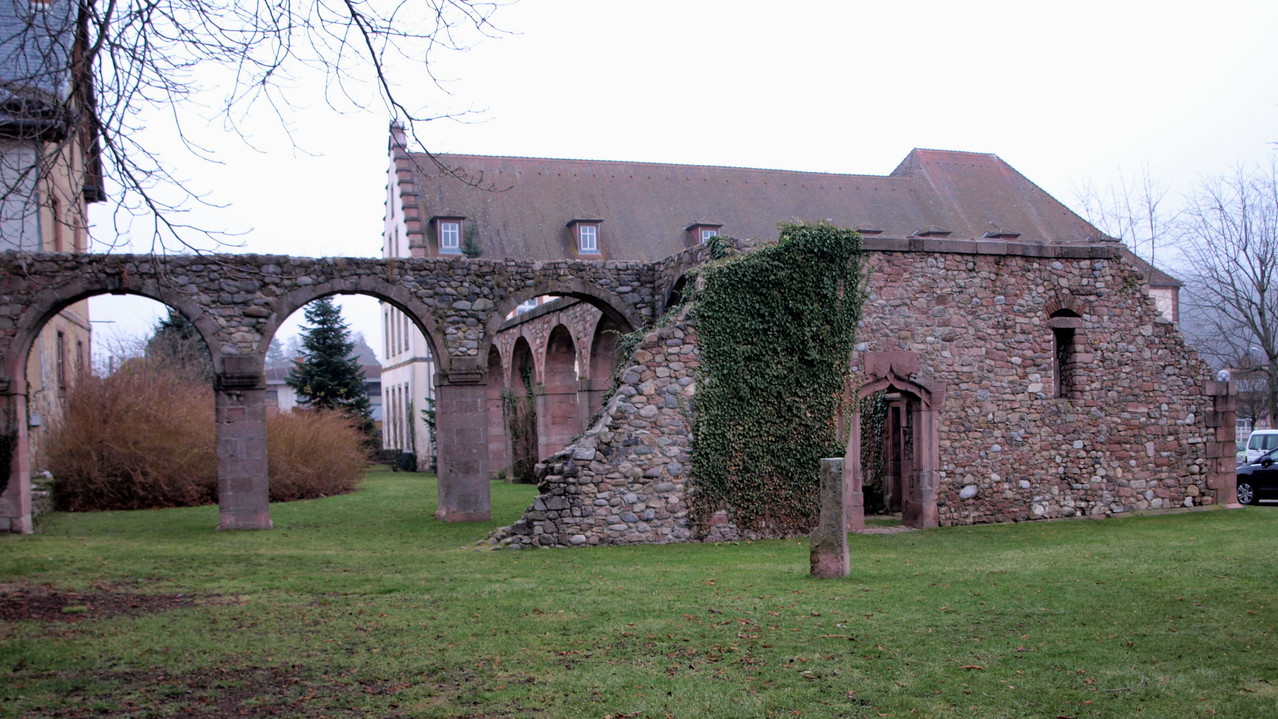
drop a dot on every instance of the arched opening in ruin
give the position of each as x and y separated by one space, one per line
677 294
498 436
557 406
519 408
394 350
603 362
892 453
120 422
574 337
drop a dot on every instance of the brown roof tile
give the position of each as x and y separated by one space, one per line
522 204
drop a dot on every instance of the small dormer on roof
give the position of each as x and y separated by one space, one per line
931 231
702 230
448 232
585 233
998 233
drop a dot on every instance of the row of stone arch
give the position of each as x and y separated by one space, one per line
237 303
560 361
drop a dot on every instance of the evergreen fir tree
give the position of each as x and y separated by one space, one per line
327 374
275 356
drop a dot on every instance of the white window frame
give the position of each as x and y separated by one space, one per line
707 233
449 232
588 238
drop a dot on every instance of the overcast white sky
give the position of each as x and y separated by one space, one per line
1066 93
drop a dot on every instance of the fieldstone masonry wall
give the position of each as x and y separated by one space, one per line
1145 428
624 481
1134 438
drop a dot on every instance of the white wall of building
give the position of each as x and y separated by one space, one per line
408 372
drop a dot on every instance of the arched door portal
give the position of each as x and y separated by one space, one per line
896 430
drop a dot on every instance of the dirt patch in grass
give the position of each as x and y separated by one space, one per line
273 691
22 602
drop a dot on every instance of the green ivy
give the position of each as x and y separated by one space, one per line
873 461
520 413
776 329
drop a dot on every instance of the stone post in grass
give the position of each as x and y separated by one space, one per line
829 555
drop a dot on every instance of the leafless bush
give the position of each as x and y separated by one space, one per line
312 453
143 438
139 438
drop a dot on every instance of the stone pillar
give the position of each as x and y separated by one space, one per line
15 500
853 478
925 460
829 554
243 495
558 420
498 441
1221 461
461 424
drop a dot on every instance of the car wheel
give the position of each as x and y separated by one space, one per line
1246 495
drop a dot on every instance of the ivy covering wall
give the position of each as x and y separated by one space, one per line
776 328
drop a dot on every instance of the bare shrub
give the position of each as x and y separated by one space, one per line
143 438
139 438
313 453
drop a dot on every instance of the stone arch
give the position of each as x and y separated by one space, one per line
498 436
49 302
677 294
918 405
1068 304
290 302
611 304
557 406
15 502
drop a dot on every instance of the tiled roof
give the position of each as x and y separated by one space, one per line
521 205
35 47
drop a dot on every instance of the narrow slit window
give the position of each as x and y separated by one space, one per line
1067 335
1066 371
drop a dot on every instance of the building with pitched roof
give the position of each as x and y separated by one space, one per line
549 209
49 173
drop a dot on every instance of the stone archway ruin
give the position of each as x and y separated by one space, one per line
934 327
914 413
237 302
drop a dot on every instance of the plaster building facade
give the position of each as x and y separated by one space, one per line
49 174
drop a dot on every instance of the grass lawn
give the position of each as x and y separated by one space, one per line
364 605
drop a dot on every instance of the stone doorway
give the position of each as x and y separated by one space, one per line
900 411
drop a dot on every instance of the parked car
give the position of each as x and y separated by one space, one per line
1261 441
1258 479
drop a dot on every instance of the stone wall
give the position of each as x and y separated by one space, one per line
1136 438
1137 435
624 481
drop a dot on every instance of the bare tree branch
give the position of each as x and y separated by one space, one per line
1229 239
94 68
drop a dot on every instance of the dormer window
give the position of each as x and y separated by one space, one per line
586 233
448 232
702 231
